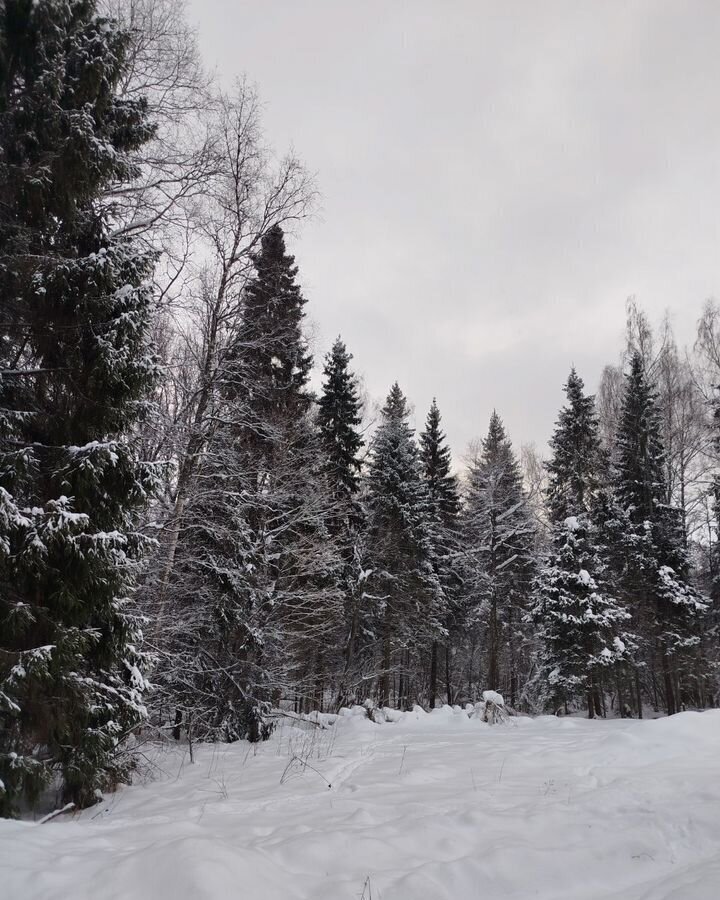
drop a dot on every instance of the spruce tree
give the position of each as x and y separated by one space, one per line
497 536
436 460
257 548
640 481
288 490
75 366
339 419
581 627
255 592
272 347
442 488
577 464
404 586
649 548
341 441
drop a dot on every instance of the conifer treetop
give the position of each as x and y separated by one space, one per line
436 459
640 478
577 461
339 419
274 348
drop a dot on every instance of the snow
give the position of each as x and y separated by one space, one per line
584 576
429 807
493 697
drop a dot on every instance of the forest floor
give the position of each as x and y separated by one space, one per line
431 807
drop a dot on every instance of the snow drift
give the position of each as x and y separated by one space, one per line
435 806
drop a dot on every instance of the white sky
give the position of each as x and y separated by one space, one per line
496 179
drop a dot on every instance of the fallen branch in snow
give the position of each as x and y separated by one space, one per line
56 812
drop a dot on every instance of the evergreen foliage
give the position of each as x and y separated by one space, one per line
291 572
75 366
577 464
272 348
649 549
436 461
581 627
498 534
258 582
339 420
443 493
404 587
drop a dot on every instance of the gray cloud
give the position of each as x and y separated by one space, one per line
496 180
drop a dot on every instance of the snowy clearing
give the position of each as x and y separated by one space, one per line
425 808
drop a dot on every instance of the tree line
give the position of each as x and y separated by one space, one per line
192 539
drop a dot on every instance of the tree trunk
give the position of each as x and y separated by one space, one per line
670 703
590 704
621 701
409 688
656 701
448 679
493 667
433 674
513 671
384 684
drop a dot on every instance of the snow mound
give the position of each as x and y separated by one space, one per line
493 697
427 807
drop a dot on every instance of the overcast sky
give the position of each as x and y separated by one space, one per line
496 179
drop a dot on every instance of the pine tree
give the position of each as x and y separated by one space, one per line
289 493
580 625
576 468
640 483
257 548
256 590
442 488
497 536
75 366
339 420
403 585
213 641
436 460
649 548
272 346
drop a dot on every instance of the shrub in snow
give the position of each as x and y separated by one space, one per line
490 709
493 697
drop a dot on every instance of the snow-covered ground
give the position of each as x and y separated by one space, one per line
431 807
